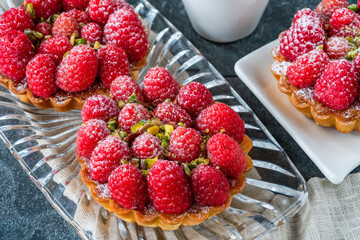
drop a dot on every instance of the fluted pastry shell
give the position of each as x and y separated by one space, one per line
303 99
150 217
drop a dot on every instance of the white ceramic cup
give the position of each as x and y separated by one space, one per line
224 20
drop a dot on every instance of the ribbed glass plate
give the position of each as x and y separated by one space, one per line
43 142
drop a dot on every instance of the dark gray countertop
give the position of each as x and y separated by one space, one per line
24 211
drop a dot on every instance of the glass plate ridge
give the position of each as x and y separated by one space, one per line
43 142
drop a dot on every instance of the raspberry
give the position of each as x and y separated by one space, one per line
168 188
55 47
91 32
226 154
131 114
356 63
44 28
75 4
338 87
337 47
159 85
113 63
79 16
344 22
146 146
307 68
46 8
100 10
326 7
107 156
209 185
169 112
306 11
127 187
185 144
89 135
221 118
123 87
40 75
125 29
78 70
15 19
65 26
305 35
16 51
99 107
194 98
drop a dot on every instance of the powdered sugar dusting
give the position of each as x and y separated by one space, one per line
102 190
280 67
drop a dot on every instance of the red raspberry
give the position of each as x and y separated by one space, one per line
79 16
15 19
78 70
44 28
337 47
65 26
91 32
123 87
344 22
305 35
131 114
113 62
99 107
226 154
159 85
75 4
124 28
306 11
338 86
146 146
307 68
127 187
356 63
46 8
107 156
168 188
185 144
55 47
209 185
221 118
100 10
169 112
16 51
40 75
194 98
89 135
326 7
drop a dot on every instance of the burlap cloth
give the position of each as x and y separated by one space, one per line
332 212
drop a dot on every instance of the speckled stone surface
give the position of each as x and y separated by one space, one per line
25 213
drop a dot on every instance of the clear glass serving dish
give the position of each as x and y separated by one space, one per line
43 142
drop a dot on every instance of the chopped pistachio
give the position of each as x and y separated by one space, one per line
187 170
111 127
72 39
192 165
143 122
80 41
169 128
320 47
150 162
351 54
180 124
133 99
42 19
202 146
123 161
39 35
30 9
121 104
153 130
145 173
136 127
112 121
47 37
123 134
66 54
97 45
54 17
353 7
164 142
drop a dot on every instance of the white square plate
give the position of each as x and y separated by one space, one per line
336 154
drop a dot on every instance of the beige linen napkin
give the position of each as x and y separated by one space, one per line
332 212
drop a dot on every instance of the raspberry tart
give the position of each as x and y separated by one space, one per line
317 64
149 161
57 53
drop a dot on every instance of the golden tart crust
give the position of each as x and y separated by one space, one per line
150 217
303 99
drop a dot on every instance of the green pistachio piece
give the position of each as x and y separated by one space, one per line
353 7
